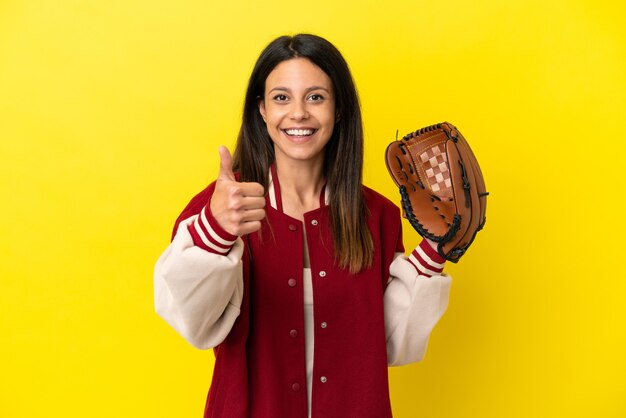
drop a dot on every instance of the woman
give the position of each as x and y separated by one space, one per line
291 269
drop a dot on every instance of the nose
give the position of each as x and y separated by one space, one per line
299 111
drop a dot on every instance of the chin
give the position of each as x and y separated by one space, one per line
299 154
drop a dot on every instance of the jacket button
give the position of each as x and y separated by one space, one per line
292 282
293 333
314 222
322 273
323 379
295 387
324 324
293 227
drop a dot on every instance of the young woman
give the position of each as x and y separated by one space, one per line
291 269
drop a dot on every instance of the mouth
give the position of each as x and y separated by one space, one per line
300 132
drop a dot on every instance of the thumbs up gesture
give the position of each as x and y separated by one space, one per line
238 207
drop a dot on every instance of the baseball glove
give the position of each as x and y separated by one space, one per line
442 187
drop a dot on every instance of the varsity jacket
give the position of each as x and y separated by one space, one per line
244 298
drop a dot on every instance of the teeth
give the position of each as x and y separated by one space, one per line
299 132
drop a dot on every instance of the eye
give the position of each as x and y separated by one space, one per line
315 97
280 97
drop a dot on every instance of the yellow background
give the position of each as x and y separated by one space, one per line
111 113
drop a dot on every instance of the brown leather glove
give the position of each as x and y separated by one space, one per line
442 187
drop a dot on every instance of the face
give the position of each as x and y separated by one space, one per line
299 110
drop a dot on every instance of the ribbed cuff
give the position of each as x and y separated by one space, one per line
209 235
426 260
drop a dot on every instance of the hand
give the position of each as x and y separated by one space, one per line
237 207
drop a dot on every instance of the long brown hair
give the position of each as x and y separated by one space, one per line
343 155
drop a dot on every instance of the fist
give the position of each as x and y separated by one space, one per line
237 207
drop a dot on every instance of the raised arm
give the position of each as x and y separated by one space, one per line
198 280
415 298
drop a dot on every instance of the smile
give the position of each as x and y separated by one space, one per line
300 132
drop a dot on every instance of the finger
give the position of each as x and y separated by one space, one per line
248 227
226 164
240 204
251 203
252 189
246 189
253 215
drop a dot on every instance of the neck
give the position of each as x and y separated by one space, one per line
301 183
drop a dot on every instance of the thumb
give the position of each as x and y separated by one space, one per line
226 165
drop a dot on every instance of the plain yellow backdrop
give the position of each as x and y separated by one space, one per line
111 113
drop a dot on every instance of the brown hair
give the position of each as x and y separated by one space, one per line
343 155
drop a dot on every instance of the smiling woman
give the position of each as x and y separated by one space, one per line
299 110
288 266
342 163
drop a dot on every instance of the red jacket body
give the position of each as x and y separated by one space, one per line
260 369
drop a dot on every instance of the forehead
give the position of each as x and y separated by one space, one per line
297 73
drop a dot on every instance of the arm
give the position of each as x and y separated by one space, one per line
415 298
198 282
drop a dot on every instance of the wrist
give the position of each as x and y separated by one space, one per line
426 260
209 235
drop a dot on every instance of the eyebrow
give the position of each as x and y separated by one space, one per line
309 89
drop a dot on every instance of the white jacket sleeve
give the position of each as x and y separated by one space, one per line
414 301
197 292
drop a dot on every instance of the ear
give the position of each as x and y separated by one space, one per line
261 104
337 117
